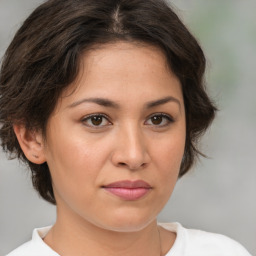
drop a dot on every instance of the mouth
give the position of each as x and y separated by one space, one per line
128 190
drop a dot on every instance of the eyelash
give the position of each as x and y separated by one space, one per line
168 118
162 115
86 118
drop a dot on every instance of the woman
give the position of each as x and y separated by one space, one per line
105 101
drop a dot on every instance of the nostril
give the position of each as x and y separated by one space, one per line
132 167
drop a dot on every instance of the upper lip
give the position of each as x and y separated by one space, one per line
128 184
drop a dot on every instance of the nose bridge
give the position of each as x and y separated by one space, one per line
133 138
131 150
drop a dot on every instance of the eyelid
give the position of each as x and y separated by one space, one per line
87 117
161 114
95 114
167 116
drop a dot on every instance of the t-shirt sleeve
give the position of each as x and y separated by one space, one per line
201 243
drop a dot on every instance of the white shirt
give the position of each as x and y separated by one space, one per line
189 242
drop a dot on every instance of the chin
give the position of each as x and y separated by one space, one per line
127 223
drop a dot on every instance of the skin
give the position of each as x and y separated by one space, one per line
126 144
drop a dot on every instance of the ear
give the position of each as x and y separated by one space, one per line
31 143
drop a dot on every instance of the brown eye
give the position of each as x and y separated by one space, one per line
98 121
159 120
156 120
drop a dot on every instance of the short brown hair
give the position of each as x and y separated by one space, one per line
43 60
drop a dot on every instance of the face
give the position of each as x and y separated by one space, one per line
115 142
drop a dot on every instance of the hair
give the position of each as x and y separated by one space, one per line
44 56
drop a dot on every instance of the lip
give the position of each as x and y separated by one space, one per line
128 190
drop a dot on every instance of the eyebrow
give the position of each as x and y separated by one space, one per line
111 104
162 101
100 101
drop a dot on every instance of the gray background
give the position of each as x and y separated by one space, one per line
218 195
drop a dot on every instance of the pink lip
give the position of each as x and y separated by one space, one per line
128 190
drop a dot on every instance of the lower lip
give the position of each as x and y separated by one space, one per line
129 194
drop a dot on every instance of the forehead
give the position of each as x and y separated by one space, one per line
128 52
121 70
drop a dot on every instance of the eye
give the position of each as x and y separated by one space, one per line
96 120
159 120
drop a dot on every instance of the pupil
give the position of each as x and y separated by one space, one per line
97 120
156 120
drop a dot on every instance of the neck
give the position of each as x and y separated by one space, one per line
73 237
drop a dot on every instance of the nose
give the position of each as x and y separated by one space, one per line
130 149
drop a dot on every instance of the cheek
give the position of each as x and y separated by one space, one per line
76 162
74 171
169 151
77 151
167 157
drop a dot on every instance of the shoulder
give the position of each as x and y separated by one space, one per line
200 243
36 246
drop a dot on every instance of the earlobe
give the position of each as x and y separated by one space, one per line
31 143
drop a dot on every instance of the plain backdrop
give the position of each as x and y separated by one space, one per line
218 195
